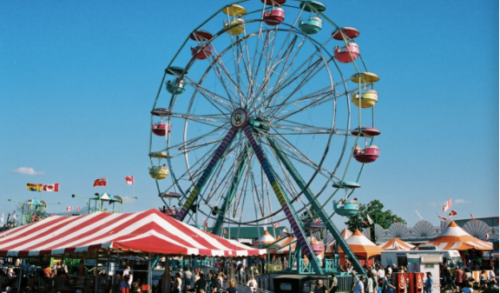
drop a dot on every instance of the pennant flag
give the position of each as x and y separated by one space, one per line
472 217
447 205
369 219
100 182
395 220
277 225
441 218
14 216
225 232
1 219
206 223
129 180
452 213
364 222
78 208
487 235
34 186
51 187
69 209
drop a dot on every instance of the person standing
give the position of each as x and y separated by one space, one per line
232 287
360 287
459 275
429 283
252 284
335 283
320 288
386 285
201 284
371 284
188 277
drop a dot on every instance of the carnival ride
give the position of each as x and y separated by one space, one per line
96 203
260 105
32 210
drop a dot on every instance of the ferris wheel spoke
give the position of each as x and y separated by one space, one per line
318 102
296 153
219 63
195 139
204 118
216 100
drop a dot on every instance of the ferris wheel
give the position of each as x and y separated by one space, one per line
258 121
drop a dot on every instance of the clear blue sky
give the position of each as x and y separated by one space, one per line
78 79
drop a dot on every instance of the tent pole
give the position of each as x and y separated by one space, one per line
166 277
96 272
150 275
107 267
20 277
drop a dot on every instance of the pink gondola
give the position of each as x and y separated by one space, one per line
274 16
159 129
203 53
347 54
274 2
368 155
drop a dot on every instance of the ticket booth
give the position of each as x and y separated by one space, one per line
418 267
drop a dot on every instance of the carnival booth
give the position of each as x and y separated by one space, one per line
147 234
396 244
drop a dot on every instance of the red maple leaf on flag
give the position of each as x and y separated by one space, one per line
100 182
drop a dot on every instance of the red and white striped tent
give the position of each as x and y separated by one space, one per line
143 232
454 237
396 244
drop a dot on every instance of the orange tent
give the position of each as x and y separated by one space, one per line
361 246
456 238
396 244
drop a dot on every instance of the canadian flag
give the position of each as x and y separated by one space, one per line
69 209
447 205
51 187
78 208
441 218
129 180
100 182
452 213
277 225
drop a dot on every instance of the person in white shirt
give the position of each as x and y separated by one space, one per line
360 287
126 271
252 283
381 273
389 270
491 274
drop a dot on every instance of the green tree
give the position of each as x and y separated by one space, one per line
375 209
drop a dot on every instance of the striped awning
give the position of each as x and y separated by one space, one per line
143 232
454 237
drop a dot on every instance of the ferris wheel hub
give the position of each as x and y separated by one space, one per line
239 118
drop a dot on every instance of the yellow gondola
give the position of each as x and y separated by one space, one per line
238 26
159 173
368 100
234 10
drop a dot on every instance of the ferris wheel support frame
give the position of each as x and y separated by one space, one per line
206 174
242 162
315 205
288 209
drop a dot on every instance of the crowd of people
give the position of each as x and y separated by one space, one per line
185 280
